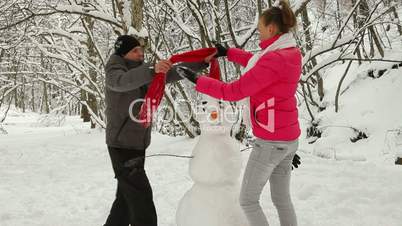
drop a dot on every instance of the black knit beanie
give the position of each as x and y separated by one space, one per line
125 44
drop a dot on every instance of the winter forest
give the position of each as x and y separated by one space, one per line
55 168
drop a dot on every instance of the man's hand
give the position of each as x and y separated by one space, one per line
222 51
296 161
163 66
187 73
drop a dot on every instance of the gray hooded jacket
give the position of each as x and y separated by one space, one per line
127 81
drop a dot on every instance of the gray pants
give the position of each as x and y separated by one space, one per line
269 160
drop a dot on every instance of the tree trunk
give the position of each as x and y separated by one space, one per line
309 46
269 3
356 26
137 13
22 98
45 102
259 7
137 17
218 28
92 56
395 13
33 97
364 10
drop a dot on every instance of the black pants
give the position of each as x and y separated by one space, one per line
134 202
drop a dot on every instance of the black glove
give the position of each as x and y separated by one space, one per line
296 161
187 73
222 51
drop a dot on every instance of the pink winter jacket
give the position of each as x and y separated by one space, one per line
271 85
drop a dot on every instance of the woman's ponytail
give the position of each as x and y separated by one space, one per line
288 17
281 15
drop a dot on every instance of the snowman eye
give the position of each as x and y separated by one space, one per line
221 104
204 102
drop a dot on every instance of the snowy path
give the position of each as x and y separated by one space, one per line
62 177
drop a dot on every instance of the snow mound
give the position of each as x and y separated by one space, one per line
369 118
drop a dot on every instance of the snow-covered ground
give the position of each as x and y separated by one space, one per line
62 176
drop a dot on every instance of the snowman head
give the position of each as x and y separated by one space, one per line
217 159
215 116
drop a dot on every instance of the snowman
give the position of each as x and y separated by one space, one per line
215 171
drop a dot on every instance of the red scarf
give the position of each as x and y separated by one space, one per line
157 87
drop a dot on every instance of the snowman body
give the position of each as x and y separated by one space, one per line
215 170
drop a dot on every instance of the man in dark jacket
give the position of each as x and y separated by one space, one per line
127 79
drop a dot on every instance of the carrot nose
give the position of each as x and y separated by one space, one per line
214 115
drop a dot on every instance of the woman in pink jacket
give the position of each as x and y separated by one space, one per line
270 80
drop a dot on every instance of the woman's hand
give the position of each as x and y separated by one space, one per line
296 161
222 51
163 66
187 73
